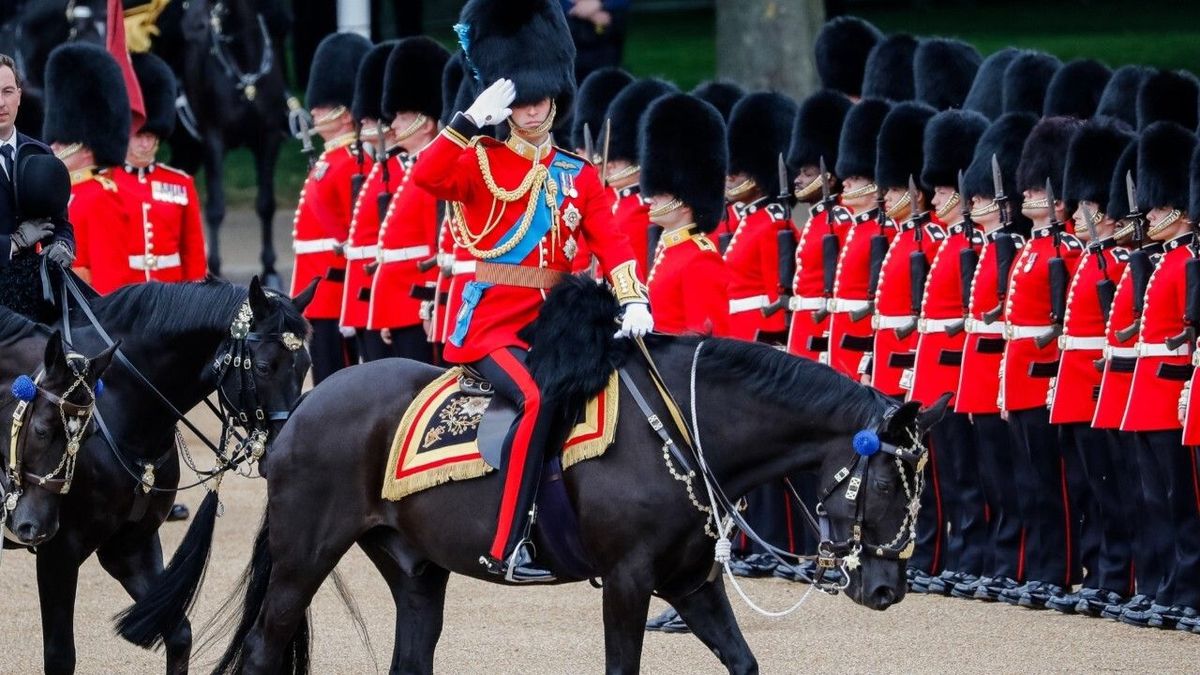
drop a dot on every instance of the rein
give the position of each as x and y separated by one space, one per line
246 83
74 417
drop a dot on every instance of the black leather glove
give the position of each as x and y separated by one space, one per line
31 232
59 254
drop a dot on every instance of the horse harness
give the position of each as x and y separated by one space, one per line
74 418
246 83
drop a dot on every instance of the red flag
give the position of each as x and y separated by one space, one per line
116 47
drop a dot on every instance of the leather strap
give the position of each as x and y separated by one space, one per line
949 357
858 343
1175 372
989 345
1043 369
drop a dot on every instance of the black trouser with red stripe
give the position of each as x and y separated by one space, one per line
994 448
409 342
1172 528
330 351
962 496
524 446
1050 554
1105 518
1147 570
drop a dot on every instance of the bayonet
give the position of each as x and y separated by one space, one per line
998 188
825 198
912 203
589 150
301 124
785 194
604 156
1135 215
964 205
1055 224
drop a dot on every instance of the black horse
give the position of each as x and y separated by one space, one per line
762 415
177 337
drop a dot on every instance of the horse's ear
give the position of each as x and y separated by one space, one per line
103 360
934 413
54 352
902 421
260 304
307 294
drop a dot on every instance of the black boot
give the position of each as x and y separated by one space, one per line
520 568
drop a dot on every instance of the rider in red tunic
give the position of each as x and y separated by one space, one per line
519 206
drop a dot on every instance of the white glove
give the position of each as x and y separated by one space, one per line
492 105
347 331
636 321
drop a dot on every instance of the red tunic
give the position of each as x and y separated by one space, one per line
166 236
688 287
808 337
851 342
322 221
1076 388
1189 408
631 214
362 242
406 238
451 170
894 354
979 378
939 354
100 217
1118 355
1159 378
1027 371
752 260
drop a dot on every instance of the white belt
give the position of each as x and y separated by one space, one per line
884 322
387 255
1120 352
1069 343
980 328
154 262
314 246
361 252
840 306
748 304
1143 349
462 267
937 325
799 304
1012 332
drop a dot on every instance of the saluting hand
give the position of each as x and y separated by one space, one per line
492 105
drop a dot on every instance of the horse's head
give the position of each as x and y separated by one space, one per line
869 501
52 420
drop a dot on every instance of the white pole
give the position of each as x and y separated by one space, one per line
354 16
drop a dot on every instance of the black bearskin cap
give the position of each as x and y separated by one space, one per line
330 79
526 41
158 86
722 95
1119 99
86 101
1091 157
625 111
1026 80
987 91
369 85
43 184
595 93
1118 199
1045 153
818 124
1194 172
943 71
841 53
949 145
860 134
1004 138
1164 158
452 78
889 73
412 80
683 153
1168 96
1076 88
760 128
900 145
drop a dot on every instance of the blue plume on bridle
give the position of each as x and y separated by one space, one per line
866 442
463 31
24 388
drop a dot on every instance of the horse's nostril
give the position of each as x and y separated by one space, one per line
884 597
28 532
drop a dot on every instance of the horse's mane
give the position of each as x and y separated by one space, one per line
14 326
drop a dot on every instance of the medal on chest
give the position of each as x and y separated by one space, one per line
571 216
319 169
168 193
570 248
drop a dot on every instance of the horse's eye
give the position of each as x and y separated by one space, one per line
262 367
41 431
882 486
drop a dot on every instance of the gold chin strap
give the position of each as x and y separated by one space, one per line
990 208
67 151
948 208
900 206
664 209
412 128
1043 203
738 191
868 189
541 129
812 188
625 284
329 116
622 174
1167 221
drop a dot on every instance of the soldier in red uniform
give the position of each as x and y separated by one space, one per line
978 384
166 235
850 336
322 222
408 236
814 145
1163 351
519 205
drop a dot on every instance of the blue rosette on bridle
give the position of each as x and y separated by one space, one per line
866 442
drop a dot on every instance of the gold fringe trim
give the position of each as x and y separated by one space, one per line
391 485
395 490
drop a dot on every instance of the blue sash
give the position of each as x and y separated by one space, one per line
563 171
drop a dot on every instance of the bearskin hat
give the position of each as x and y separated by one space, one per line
943 71
841 53
949 144
368 83
900 144
625 111
86 101
722 95
760 128
818 124
595 93
1091 156
987 91
412 79
1076 88
1045 153
526 41
42 185
1119 99
1169 96
329 80
683 152
1005 139
1118 198
1026 80
889 73
1194 172
159 89
452 79
860 134
1164 158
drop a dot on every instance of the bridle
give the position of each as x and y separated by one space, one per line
246 83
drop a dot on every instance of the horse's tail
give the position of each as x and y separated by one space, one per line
167 602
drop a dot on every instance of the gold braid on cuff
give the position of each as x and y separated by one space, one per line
625 284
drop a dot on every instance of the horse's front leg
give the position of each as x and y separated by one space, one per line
708 614
58 578
626 599
266 155
214 197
